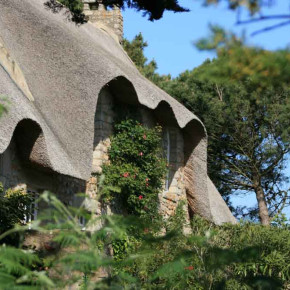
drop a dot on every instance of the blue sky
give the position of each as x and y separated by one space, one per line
171 40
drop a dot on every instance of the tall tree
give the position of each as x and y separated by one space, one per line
238 62
243 97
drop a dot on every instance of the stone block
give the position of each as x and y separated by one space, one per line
97 162
92 205
97 169
173 182
97 154
173 189
93 180
170 197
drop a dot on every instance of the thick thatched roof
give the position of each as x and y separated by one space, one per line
65 67
52 71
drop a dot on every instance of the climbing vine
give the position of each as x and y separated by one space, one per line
136 167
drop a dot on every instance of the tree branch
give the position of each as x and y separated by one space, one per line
220 92
278 208
270 28
240 184
263 18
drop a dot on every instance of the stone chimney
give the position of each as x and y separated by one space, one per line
97 13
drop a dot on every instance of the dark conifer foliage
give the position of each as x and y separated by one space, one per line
242 97
153 9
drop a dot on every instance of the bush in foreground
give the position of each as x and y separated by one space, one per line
244 256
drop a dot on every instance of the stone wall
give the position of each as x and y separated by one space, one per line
112 19
104 119
103 129
15 174
174 192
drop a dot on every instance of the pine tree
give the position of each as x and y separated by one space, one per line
243 98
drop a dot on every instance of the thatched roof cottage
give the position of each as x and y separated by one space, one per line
62 81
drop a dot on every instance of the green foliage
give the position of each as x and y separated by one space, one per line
280 220
153 9
17 270
248 132
14 206
271 244
120 248
237 62
135 50
242 96
136 167
74 9
230 257
245 256
218 37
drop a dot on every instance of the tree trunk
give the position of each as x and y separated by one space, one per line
262 205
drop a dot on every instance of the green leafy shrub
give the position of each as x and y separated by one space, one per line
245 256
271 243
14 206
136 167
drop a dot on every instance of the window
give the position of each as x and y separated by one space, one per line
33 207
78 202
171 153
166 148
82 222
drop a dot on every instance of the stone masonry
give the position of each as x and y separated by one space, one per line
175 190
14 174
104 118
103 129
111 19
